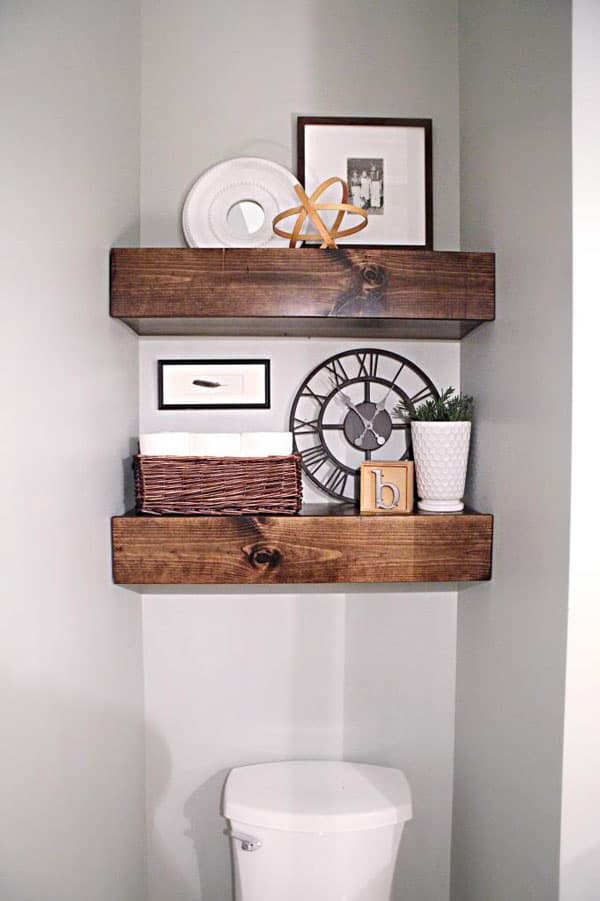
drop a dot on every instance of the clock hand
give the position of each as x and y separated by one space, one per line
367 423
381 404
361 437
369 426
379 438
379 408
348 403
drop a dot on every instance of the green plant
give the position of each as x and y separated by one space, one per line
445 408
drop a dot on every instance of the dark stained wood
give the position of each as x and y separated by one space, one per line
351 292
306 327
315 547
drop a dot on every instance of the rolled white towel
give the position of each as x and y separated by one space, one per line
223 444
165 444
266 444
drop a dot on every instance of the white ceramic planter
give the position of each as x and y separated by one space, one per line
441 451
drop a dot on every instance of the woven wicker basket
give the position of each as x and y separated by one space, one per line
218 485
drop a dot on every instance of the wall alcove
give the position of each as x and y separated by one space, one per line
352 292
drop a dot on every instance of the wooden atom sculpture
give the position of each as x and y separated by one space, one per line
309 207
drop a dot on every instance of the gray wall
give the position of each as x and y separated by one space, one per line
580 836
291 361
515 187
239 676
234 678
227 79
399 711
71 751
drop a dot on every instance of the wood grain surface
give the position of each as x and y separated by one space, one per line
306 291
310 548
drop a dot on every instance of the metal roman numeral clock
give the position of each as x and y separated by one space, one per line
342 415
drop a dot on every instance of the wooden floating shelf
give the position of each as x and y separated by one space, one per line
352 292
324 544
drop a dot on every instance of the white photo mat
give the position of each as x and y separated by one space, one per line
386 170
213 384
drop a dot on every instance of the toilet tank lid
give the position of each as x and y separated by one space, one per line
317 796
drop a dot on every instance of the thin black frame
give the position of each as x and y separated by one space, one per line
266 364
425 124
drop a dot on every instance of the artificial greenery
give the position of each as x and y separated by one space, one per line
445 408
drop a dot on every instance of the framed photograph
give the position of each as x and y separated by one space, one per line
214 385
388 166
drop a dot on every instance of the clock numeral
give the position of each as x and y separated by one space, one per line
308 392
336 481
368 364
402 365
362 369
314 457
339 376
306 426
421 395
373 364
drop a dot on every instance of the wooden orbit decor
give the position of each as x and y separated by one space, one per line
309 207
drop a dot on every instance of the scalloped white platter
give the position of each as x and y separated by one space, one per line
233 204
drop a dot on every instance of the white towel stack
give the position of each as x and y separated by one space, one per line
266 444
224 444
165 444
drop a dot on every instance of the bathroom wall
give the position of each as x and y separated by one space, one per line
399 711
234 676
291 361
71 746
515 61
580 836
227 79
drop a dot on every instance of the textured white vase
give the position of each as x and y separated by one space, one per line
441 451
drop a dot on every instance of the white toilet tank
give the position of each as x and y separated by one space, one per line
315 830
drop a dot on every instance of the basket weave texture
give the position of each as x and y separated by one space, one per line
218 485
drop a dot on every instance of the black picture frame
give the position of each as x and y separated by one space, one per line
424 124
263 363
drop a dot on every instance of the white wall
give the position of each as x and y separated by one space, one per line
291 361
218 81
230 679
399 711
236 678
71 751
227 79
580 838
515 186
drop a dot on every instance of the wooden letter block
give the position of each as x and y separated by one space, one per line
386 487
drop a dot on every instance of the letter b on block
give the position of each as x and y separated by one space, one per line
379 486
386 488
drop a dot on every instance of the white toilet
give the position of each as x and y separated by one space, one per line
315 830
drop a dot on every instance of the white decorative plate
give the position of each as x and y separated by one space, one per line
233 204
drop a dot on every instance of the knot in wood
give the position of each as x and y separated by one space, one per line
264 557
366 293
373 279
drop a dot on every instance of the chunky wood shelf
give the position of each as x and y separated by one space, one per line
351 292
322 545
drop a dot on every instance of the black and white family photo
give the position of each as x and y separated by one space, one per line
365 183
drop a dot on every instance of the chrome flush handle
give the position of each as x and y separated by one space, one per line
248 842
